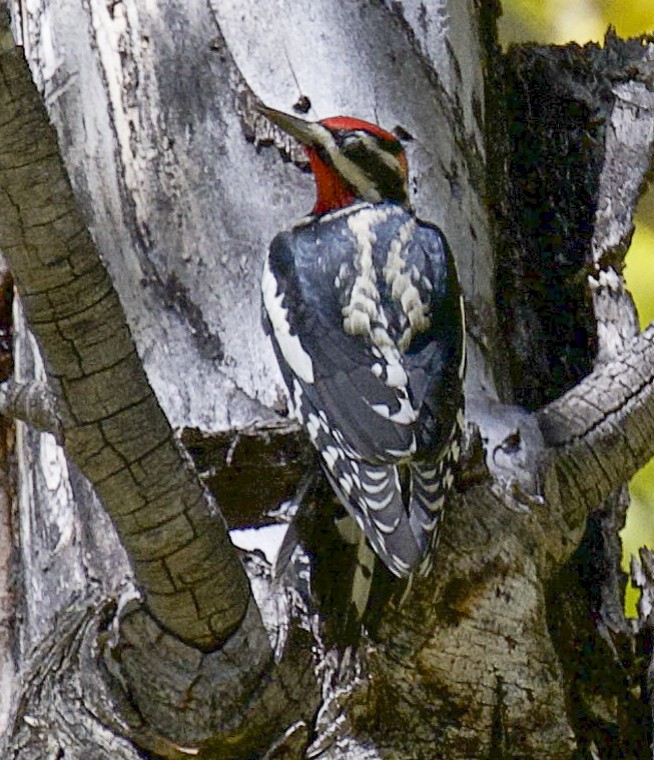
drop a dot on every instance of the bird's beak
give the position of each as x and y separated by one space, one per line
306 132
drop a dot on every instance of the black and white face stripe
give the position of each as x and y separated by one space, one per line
377 158
353 173
368 159
367 163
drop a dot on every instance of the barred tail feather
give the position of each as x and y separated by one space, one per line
373 496
428 491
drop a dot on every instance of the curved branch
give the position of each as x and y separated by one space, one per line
112 424
33 403
602 430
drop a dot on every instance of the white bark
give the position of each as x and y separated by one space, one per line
183 236
7 600
174 228
177 180
629 157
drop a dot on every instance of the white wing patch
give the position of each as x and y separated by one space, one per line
382 302
364 297
405 415
395 372
403 289
462 365
290 346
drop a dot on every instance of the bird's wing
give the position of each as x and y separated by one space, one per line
362 397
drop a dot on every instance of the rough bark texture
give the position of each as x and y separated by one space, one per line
8 539
122 442
142 250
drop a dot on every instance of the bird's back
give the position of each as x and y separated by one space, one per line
371 295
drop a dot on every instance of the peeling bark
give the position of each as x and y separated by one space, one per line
8 537
137 261
123 443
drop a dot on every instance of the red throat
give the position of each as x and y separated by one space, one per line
331 191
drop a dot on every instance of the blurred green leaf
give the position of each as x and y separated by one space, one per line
639 272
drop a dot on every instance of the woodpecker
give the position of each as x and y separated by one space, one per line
367 323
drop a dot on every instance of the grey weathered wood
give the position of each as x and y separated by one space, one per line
122 442
182 186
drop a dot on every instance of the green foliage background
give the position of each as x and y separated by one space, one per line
561 21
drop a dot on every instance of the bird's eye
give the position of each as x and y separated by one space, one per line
351 142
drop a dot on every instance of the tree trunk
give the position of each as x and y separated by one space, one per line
139 190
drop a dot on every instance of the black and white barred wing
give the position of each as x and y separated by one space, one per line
435 363
368 334
361 424
362 393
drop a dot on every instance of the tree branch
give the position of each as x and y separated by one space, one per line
112 424
602 431
32 403
627 162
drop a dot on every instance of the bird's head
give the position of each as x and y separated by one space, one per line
350 159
